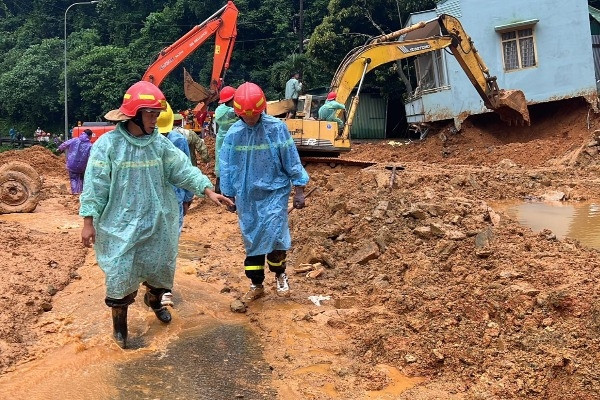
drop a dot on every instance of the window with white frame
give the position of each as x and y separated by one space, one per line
518 49
430 70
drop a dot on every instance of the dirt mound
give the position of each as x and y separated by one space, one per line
442 286
556 129
40 158
35 266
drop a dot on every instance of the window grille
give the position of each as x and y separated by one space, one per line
518 49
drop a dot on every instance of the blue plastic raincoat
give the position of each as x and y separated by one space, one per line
258 166
182 195
224 117
129 193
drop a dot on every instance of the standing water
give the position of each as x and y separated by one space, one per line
579 221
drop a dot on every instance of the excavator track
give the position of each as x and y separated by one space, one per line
333 161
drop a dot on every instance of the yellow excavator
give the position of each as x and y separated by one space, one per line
314 136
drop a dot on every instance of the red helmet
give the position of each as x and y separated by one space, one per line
226 94
249 100
331 96
140 95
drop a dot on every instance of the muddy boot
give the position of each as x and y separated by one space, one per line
255 292
154 302
119 317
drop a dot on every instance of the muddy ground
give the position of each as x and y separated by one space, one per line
433 293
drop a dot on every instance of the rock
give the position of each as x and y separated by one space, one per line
554 196
369 251
46 306
455 235
409 358
51 290
417 213
423 232
484 253
381 281
507 163
381 209
484 238
437 229
237 306
446 250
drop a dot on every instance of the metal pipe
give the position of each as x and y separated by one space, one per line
65 43
354 104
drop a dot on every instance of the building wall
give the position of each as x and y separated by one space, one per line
565 66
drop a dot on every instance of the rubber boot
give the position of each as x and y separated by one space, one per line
218 185
153 301
119 317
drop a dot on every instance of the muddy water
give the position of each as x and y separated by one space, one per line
579 221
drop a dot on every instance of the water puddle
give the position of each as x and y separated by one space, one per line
222 361
400 383
579 221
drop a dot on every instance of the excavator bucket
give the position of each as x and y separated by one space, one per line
280 107
512 107
195 92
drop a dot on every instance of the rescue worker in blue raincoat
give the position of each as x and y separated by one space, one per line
78 152
259 163
164 123
328 111
129 206
225 116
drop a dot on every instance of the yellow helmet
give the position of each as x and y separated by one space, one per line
165 120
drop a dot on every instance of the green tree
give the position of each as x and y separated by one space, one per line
29 91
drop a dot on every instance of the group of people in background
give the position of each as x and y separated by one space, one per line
140 179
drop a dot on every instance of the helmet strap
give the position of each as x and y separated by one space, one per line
138 121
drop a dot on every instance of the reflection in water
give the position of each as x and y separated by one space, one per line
573 220
219 362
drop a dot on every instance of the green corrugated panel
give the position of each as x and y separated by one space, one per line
595 22
370 120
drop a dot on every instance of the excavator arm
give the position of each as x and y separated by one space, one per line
510 105
222 24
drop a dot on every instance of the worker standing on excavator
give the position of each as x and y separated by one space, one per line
328 110
292 91
129 207
225 116
259 164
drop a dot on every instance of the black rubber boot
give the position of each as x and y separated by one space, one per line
153 301
119 317
218 185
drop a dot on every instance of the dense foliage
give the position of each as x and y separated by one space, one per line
110 45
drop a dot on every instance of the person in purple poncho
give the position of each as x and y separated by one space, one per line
77 158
